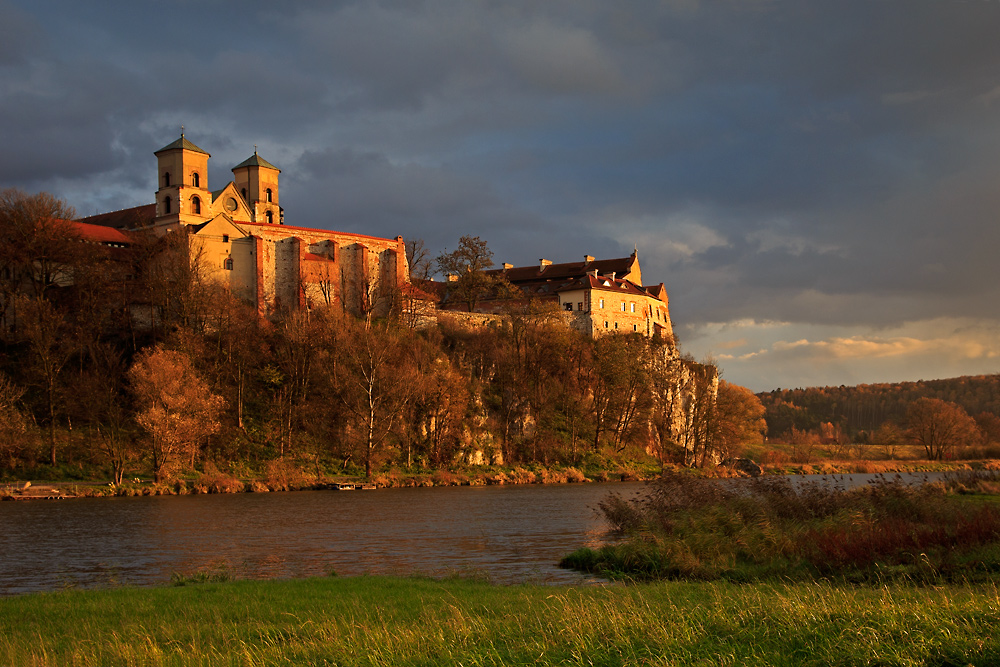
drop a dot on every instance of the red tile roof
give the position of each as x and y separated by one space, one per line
99 233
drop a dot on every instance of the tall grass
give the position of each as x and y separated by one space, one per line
383 621
690 527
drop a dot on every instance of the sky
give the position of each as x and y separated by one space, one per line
814 181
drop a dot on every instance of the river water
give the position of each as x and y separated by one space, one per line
510 534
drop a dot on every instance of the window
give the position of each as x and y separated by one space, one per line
269 216
268 196
602 304
633 306
196 205
616 325
243 191
229 264
635 327
195 180
623 306
166 179
579 305
166 205
568 306
225 238
605 324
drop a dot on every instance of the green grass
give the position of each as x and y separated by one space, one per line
389 621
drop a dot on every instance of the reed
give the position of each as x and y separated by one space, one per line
696 528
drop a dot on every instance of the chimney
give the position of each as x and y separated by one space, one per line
592 272
452 278
542 263
612 276
587 259
507 266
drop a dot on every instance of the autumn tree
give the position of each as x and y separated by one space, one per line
989 427
888 437
739 419
176 406
939 427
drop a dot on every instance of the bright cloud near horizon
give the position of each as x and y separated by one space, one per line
815 182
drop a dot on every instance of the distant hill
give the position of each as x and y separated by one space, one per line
866 406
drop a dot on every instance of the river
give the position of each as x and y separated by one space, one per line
510 534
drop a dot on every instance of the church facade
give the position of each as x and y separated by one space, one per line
237 237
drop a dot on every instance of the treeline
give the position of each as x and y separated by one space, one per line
128 359
857 412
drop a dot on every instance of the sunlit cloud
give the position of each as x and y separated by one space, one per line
827 357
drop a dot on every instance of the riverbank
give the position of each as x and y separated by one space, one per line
392 621
290 478
282 477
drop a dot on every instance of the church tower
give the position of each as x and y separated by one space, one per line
257 180
182 196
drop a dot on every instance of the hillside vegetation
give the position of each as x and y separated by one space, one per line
889 417
130 361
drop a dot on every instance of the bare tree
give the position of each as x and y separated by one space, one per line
44 331
621 387
13 423
38 245
419 260
468 265
376 384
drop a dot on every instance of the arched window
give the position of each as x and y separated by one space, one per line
269 196
166 179
195 180
166 205
270 217
229 264
196 205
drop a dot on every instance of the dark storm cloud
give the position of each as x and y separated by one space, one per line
820 163
19 34
367 193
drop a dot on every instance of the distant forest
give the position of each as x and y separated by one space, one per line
864 408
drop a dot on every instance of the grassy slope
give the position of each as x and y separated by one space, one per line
387 621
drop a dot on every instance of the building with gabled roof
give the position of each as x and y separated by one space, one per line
597 295
237 237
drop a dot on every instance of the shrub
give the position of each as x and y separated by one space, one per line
693 527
